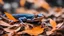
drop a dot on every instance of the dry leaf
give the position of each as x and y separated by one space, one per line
5 35
57 27
50 32
10 16
22 2
35 31
1 2
4 23
18 29
45 5
53 23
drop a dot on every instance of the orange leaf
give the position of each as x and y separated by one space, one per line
53 23
35 31
22 2
45 5
10 16
1 2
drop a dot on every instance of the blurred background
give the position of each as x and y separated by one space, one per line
31 6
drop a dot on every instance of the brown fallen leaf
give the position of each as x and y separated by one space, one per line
35 31
9 16
53 23
45 5
5 35
57 27
12 29
4 23
22 2
1 2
